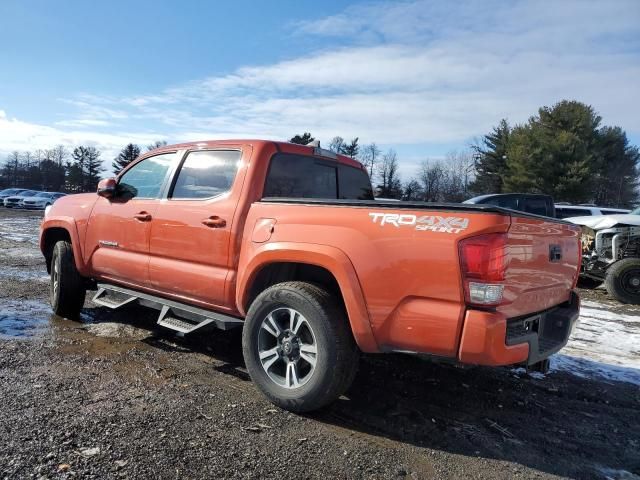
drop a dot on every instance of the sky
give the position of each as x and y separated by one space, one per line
422 77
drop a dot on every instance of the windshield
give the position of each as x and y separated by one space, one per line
27 193
43 194
635 211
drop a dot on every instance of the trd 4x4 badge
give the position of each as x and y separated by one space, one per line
434 223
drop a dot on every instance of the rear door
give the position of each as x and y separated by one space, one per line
191 229
117 239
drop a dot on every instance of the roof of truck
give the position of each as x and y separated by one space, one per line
285 147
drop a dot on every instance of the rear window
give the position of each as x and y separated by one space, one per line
562 212
504 202
300 176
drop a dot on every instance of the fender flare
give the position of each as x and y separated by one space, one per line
330 258
69 225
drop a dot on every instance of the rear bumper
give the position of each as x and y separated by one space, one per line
489 338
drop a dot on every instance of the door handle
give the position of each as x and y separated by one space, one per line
214 222
142 216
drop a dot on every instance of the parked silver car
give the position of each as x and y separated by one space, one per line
8 192
14 201
41 200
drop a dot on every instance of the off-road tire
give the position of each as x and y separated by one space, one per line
337 353
67 296
618 277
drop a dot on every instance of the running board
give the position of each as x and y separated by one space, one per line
176 316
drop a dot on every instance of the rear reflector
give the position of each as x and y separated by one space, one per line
483 260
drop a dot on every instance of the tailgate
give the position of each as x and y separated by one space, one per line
543 265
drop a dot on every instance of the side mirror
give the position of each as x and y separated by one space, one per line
107 187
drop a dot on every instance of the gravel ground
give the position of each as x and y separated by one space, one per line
114 396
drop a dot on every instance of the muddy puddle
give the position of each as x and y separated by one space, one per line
24 318
29 319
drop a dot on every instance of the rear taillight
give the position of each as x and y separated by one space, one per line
483 260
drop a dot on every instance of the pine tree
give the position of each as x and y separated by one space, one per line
125 157
351 149
303 139
555 153
491 160
93 168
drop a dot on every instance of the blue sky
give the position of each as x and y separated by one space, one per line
423 77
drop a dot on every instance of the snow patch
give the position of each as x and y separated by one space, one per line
604 344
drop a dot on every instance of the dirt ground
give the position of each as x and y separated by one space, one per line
114 396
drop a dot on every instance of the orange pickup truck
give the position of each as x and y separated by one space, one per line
287 242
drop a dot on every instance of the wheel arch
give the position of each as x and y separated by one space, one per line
328 266
55 231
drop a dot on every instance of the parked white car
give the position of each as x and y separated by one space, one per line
565 210
9 192
41 200
14 201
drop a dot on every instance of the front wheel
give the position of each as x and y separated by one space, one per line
623 280
298 346
67 287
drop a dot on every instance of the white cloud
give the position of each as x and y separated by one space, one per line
21 136
405 73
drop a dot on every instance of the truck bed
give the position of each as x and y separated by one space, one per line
412 205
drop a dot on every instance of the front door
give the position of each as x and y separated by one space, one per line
118 231
191 229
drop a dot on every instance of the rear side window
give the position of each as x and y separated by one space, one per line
145 179
612 212
353 183
537 206
562 212
206 174
300 176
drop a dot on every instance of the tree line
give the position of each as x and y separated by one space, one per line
60 169
448 180
563 151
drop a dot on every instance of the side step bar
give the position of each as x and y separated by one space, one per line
176 316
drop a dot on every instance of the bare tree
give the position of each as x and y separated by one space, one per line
336 144
156 144
412 190
432 178
389 185
370 155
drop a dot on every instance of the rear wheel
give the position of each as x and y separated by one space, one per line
67 287
298 347
623 280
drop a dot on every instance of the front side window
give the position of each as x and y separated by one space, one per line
145 179
206 174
